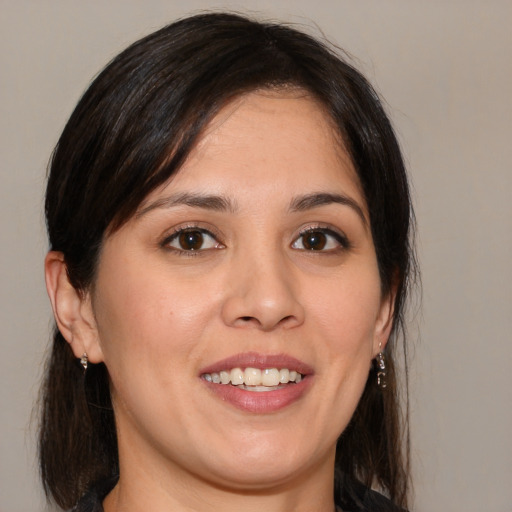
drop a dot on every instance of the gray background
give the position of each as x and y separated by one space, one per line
444 69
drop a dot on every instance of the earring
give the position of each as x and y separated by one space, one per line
380 361
84 361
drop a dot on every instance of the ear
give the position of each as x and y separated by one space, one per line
384 322
72 309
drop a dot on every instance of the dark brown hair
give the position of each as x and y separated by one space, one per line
132 130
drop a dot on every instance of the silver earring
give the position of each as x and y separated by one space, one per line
84 361
380 361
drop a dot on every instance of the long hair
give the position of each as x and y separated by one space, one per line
132 129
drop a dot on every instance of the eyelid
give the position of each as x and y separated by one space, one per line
328 230
171 235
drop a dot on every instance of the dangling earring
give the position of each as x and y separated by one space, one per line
381 368
84 361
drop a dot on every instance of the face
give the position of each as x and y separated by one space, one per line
239 310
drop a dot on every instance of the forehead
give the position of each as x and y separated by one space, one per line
265 140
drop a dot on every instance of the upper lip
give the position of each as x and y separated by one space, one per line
261 361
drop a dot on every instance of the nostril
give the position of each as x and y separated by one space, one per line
251 319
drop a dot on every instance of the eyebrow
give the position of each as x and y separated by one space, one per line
220 203
315 200
207 202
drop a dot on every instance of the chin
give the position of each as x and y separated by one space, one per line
265 463
247 477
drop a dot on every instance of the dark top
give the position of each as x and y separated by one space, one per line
358 499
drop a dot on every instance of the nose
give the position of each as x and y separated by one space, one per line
262 293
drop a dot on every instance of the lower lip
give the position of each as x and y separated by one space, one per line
260 402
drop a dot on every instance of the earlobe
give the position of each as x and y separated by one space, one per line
384 322
72 309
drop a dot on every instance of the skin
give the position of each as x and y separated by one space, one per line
157 314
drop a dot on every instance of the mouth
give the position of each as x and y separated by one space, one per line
258 383
255 379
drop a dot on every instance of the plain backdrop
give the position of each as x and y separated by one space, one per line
445 71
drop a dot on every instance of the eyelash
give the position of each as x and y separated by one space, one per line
339 238
183 230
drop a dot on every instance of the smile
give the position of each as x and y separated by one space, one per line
255 379
258 383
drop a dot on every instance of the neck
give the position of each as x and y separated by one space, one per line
142 489
128 500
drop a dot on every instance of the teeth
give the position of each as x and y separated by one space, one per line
237 376
270 377
258 388
284 376
252 377
258 380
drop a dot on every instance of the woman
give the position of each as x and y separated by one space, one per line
229 220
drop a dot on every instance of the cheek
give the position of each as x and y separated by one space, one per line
348 309
145 318
148 328
346 314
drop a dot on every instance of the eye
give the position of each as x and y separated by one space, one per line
320 239
192 239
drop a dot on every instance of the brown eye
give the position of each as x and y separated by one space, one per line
314 240
320 239
191 239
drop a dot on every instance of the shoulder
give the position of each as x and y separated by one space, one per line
372 501
92 500
353 496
